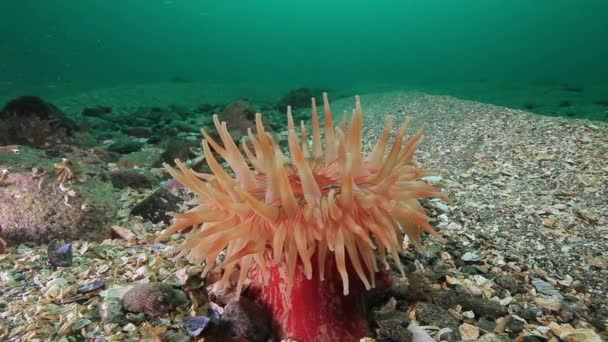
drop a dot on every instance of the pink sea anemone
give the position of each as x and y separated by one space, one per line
298 225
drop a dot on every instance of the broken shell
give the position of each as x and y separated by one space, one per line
59 256
195 325
92 285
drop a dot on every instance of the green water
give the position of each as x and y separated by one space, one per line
490 50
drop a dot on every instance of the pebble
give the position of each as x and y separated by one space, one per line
247 319
506 282
110 311
469 332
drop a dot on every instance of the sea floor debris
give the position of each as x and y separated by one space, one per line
525 256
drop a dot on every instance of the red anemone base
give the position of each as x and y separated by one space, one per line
316 310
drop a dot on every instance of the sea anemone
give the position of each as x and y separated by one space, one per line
326 210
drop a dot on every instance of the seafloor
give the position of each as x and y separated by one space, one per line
525 257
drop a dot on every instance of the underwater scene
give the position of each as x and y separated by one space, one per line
181 170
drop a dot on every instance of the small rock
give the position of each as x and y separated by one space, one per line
132 178
530 314
125 146
516 325
154 208
482 307
138 132
177 149
110 311
393 330
155 299
247 319
469 332
98 111
469 269
486 325
175 336
431 314
506 282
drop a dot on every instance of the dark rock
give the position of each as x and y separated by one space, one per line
515 326
154 208
469 269
239 116
532 338
29 120
391 330
480 306
248 319
195 325
175 336
133 178
59 255
177 149
428 255
110 311
92 285
486 325
431 314
125 146
98 111
506 282
531 313
440 270
138 132
417 287
154 299
297 98
392 326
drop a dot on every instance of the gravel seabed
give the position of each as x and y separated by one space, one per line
529 186
531 203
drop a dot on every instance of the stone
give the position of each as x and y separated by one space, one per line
506 282
30 212
125 146
431 314
155 207
29 120
132 178
245 318
110 311
480 306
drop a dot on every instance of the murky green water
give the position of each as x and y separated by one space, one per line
491 50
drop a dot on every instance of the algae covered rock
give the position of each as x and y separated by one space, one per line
35 206
29 120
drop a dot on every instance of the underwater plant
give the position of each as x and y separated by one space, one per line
306 229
